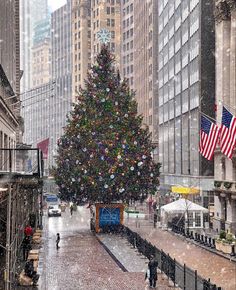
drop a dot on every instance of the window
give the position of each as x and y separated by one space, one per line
108 10
197 219
108 22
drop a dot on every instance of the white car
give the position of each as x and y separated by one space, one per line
54 210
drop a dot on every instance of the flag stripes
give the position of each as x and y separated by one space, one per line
209 135
228 133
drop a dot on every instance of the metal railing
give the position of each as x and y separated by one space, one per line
181 276
203 240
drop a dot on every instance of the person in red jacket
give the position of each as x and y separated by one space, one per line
28 231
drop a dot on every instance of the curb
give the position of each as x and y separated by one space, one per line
121 266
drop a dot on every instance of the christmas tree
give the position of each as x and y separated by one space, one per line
105 154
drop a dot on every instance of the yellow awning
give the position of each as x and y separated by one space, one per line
184 190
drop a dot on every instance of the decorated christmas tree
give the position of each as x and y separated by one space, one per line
105 154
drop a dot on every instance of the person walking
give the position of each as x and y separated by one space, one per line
26 247
151 273
71 209
58 240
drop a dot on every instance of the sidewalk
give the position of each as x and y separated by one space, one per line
129 257
83 263
221 271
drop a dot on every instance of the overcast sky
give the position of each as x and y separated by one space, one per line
55 4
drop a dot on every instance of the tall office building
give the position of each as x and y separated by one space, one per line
41 53
61 72
81 43
127 41
31 12
9 76
186 88
225 168
105 14
139 29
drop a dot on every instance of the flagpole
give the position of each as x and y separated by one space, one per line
201 113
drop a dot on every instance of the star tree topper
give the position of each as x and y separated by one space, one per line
104 35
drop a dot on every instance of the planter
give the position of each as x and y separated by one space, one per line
218 245
223 247
226 248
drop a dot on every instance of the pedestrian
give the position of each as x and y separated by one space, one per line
30 272
26 246
71 209
58 240
28 231
155 219
151 273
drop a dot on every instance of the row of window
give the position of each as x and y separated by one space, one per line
129 33
128 9
178 144
182 33
188 52
182 103
127 22
128 46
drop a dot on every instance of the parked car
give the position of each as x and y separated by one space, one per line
54 210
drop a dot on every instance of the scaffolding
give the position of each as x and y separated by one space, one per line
21 188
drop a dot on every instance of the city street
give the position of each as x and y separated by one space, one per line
83 263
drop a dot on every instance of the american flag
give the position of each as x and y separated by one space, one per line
228 133
209 135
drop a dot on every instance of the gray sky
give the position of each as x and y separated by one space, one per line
55 4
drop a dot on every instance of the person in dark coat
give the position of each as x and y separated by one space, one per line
152 272
58 240
30 272
71 209
26 246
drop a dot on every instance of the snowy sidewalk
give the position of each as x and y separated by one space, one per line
129 257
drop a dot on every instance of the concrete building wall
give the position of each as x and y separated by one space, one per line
81 43
127 41
31 12
9 76
61 72
225 168
41 63
106 14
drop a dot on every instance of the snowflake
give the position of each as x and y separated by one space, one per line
104 35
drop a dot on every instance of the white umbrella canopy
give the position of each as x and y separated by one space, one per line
182 205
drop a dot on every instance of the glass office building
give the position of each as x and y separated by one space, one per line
186 77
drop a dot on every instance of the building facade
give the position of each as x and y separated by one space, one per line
37 109
127 42
81 43
41 53
105 14
225 168
31 12
61 72
9 77
186 81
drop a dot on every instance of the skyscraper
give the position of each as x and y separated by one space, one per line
41 53
9 76
139 51
186 76
81 43
105 15
61 72
31 12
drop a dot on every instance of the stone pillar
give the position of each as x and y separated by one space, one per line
222 66
233 62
